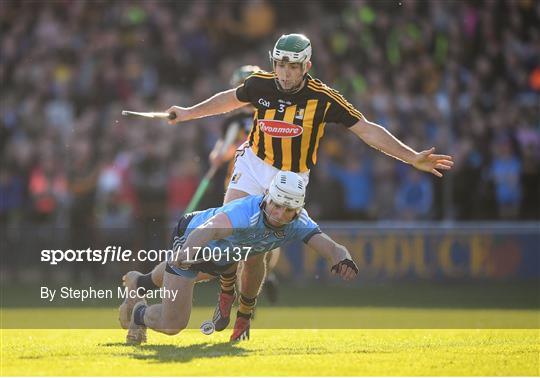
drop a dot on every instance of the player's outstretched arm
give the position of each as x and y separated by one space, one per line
221 102
337 255
380 138
217 227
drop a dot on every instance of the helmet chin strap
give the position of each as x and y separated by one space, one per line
268 216
281 224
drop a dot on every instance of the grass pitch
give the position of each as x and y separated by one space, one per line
443 330
274 352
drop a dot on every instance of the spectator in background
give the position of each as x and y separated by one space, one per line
48 189
245 22
385 184
18 165
530 176
82 183
112 207
181 186
355 177
468 179
506 174
11 195
149 181
414 198
65 65
325 199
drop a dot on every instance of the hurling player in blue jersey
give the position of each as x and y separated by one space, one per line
241 229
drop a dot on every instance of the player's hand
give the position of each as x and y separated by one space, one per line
181 259
346 269
215 159
427 161
180 114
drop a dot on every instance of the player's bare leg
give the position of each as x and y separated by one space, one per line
132 281
153 280
129 281
227 295
170 316
272 259
253 273
252 277
270 285
136 333
233 194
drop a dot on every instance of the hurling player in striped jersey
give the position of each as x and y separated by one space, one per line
292 110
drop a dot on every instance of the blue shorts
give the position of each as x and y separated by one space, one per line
177 240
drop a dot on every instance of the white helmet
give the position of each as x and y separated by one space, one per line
287 189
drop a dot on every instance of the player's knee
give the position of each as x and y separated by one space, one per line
173 329
233 194
255 262
157 274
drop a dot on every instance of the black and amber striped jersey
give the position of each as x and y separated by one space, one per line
287 128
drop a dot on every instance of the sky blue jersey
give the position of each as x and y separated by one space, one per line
250 230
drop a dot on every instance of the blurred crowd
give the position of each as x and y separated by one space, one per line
463 76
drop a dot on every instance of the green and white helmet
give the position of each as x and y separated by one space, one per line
242 73
293 48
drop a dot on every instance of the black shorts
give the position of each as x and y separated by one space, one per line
177 241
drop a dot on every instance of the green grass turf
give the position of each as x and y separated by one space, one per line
435 329
274 352
294 318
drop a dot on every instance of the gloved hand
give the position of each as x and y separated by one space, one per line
346 268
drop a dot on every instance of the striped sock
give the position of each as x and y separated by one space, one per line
246 305
227 282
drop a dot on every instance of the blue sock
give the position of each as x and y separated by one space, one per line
138 317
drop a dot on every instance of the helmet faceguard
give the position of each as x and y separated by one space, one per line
291 48
287 189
